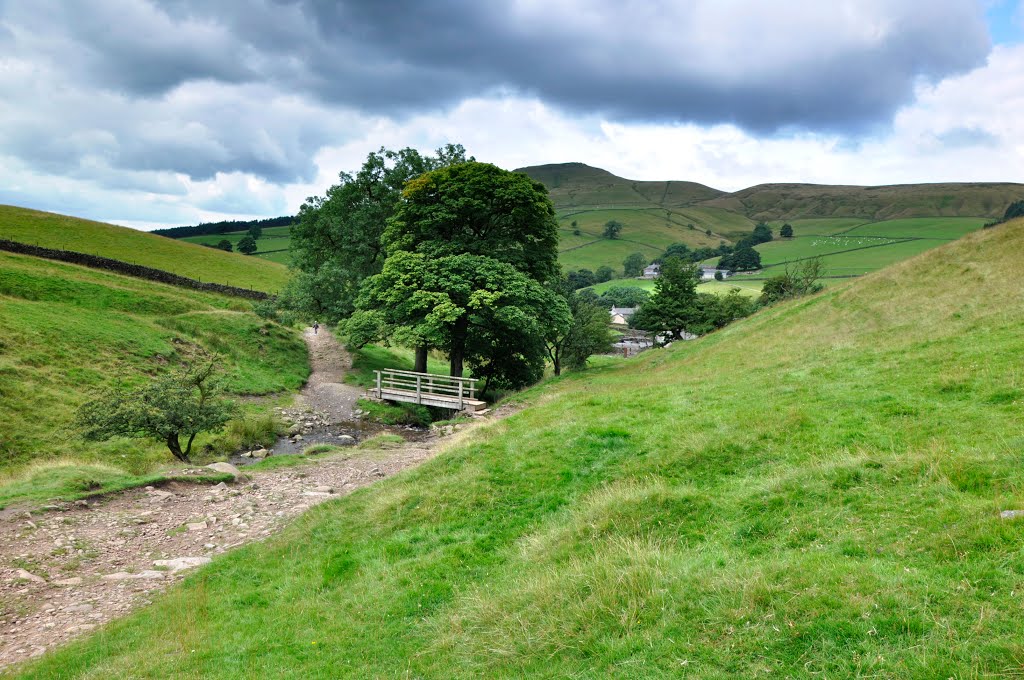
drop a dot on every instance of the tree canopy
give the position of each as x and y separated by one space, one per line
634 264
744 258
478 209
469 251
586 334
336 242
247 245
612 229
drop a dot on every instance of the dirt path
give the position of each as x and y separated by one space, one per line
325 392
72 567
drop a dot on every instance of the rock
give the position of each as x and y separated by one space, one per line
84 607
179 563
247 454
196 526
158 493
1011 514
260 454
29 576
297 437
227 468
141 576
82 504
323 489
294 430
346 440
73 581
316 494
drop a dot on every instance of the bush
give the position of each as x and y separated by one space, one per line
395 414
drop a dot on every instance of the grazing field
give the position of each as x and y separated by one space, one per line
120 243
859 248
273 244
628 524
68 331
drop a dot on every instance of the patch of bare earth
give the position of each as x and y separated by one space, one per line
75 566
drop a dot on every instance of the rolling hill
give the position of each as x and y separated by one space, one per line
657 214
51 230
813 491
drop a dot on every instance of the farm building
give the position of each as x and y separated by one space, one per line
622 315
651 271
707 273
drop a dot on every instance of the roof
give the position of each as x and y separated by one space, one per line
624 311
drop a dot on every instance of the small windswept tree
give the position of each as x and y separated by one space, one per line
224 244
180 404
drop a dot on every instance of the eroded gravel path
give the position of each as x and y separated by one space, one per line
325 392
72 567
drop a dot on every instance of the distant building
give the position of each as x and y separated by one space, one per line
707 273
651 271
622 315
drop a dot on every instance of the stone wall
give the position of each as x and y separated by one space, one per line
128 269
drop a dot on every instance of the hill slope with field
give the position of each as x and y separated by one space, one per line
658 214
813 491
68 331
51 230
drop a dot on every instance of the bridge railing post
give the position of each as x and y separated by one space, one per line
419 393
380 394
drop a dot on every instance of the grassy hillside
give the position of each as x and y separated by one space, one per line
273 244
120 243
794 201
657 214
67 331
631 523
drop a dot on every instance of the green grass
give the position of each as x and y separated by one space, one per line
375 358
68 331
277 240
628 523
120 243
849 247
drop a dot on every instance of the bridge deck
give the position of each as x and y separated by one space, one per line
428 389
440 400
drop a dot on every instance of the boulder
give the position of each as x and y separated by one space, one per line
29 576
260 454
227 468
346 440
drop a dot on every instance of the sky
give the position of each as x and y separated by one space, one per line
152 113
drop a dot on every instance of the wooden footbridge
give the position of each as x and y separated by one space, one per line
428 389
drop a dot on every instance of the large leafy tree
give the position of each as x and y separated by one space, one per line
478 209
469 250
482 312
336 242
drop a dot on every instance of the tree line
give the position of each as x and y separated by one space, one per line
225 227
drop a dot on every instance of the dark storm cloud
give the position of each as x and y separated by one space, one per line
258 86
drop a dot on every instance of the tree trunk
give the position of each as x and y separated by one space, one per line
458 351
421 359
175 447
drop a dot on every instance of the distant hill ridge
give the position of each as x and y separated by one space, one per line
580 186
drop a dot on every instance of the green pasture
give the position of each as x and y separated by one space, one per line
943 228
276 240
749 288
120 243
66 332
786 497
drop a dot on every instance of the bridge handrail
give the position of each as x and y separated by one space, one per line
426 384
432 375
